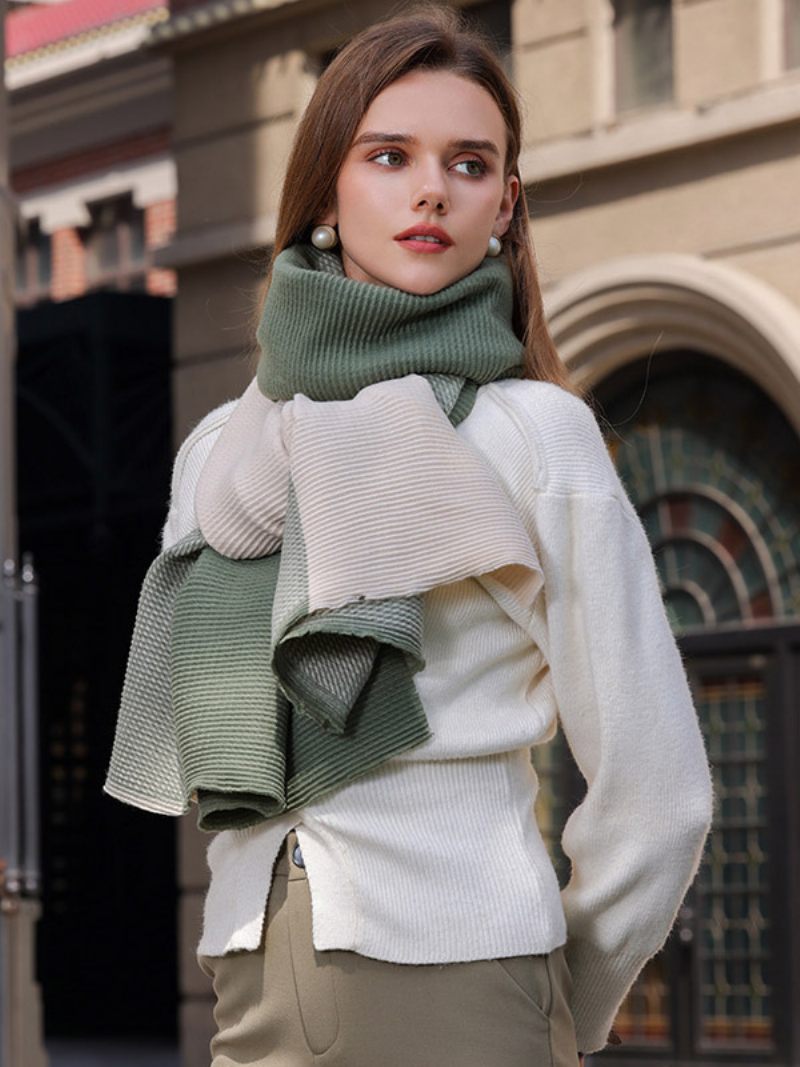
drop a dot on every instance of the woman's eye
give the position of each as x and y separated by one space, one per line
475 167
392 155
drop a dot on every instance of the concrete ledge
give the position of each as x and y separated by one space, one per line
663 130
215 242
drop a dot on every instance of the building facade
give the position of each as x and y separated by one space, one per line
662 167
91 163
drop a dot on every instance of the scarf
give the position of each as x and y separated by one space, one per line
274 648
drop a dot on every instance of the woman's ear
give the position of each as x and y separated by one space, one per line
504 215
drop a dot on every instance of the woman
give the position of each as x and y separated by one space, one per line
410 405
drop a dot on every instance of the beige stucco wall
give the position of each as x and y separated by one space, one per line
566 62
735 199
552 46
717 48
776 262
539 21
212 338
236 111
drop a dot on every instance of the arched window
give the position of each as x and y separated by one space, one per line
712 467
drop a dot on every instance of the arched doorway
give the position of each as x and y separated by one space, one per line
712 463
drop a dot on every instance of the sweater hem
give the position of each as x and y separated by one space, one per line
372 949
377 949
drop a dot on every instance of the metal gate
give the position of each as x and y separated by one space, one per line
94 451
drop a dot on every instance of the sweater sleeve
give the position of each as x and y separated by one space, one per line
636 840
189 461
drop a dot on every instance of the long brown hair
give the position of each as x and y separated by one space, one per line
427 37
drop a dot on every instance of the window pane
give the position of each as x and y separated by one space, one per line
116 240
733 886
645 1016
21 254
793 33
137 235
105 242
33 259
44 257
494 18
326 59
643 43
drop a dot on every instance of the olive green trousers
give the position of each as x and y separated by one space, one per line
287 1005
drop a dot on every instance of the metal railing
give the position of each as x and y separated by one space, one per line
19 732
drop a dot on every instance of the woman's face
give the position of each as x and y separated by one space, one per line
426 161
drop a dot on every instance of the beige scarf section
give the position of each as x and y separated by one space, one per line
392 501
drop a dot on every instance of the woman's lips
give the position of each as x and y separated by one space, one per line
423 237
416 244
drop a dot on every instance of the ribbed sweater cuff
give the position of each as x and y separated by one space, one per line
600 982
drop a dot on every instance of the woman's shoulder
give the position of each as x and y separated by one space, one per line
559 433
200 439
544 403
186 468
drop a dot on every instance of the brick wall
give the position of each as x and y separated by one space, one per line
159 226
68 254
69 265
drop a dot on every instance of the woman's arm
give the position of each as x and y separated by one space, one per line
636 840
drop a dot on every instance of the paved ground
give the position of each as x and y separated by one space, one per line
110 1054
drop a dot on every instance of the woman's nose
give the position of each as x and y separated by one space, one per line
434 201
432 196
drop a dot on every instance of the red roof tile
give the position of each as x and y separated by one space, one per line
34 27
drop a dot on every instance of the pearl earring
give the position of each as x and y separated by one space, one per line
324 237
495 247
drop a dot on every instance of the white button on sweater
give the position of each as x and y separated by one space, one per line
436 856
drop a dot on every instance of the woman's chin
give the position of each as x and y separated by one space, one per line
420 279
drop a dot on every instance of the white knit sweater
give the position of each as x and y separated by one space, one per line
436 856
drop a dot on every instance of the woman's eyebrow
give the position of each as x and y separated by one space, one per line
465 144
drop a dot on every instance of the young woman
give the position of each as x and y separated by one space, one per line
412 443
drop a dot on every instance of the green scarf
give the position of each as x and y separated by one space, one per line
234 693
327 336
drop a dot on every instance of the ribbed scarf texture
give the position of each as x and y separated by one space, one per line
237 694
328 336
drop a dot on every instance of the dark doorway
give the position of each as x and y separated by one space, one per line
94 456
